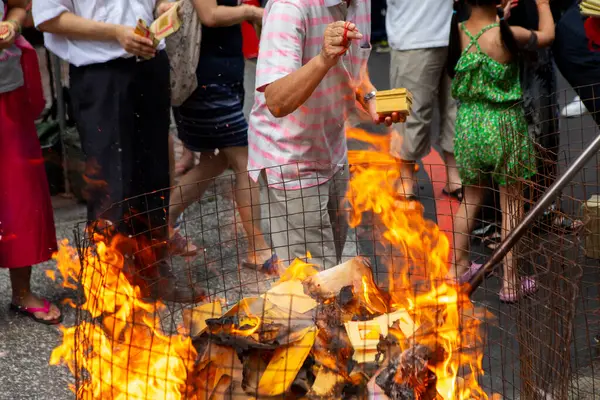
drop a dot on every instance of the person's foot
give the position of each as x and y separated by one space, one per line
454 191
575 108
405 190
181 246
470 272
30 304
271 266
512 293
259 257
457 270
168 288
564 223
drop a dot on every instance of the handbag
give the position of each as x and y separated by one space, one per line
183 49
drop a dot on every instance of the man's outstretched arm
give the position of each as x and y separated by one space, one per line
287 83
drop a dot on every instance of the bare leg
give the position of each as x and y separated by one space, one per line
407 178
185 163
454 182
247 197
511 203
171 160
193 184
20 279
463 226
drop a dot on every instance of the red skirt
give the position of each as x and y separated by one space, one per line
27 233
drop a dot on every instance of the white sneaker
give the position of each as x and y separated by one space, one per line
575 108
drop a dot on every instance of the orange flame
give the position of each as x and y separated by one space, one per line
250 320
298 270
120 352
423 264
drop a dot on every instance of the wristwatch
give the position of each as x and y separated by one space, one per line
369 96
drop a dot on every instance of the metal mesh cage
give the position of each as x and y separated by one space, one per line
380 319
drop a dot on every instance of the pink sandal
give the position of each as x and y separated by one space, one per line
528 287
29 312
471 272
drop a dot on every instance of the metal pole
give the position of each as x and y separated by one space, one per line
62 118
516 234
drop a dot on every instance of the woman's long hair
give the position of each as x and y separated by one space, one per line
460 11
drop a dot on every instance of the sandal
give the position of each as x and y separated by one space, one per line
455 194
492 241
471 272
29 312
405 197
269 267
528 287
180 246
565 223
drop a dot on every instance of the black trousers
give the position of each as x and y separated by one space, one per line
579 65
122 111
378 30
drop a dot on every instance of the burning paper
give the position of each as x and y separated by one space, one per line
289 296
285 364
194 320
365 335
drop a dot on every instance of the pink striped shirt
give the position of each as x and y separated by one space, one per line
306 147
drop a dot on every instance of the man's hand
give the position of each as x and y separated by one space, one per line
336 41
255 14
388 120
163 7
135 44
509 6
9 30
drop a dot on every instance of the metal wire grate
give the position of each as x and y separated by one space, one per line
541 347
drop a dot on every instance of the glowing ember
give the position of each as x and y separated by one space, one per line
122 354
418 276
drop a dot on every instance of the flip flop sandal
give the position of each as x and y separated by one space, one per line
471 272
180 246
29 312
405 197
565 223
492 241
269 267
484 229
528 287
455 194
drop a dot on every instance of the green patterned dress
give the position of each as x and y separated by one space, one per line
491 129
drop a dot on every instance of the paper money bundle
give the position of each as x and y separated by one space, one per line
165 25
4 30
143 29
590 8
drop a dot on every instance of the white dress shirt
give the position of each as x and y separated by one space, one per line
85 52
418 24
